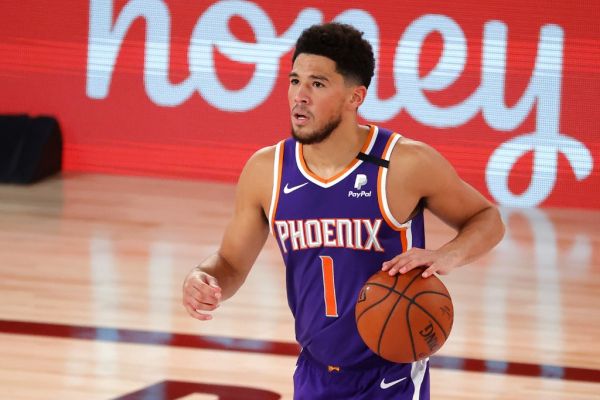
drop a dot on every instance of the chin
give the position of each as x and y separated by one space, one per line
305 135
300 135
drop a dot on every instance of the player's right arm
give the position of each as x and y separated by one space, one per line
219 276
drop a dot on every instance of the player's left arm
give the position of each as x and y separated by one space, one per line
430 177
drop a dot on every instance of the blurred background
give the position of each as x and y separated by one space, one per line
508 91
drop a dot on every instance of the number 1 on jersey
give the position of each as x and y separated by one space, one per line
329 286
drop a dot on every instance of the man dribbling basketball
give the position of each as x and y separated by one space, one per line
342 201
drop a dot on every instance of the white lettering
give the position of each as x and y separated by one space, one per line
314 235
357 234
105 41
282 233
358 195
329 235
372 231
344 229
212 32
329 232
547 141
297 234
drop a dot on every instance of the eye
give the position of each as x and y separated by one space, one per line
318 84
294 81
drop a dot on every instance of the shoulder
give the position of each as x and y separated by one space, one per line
256 180
261 161
420 164
409 152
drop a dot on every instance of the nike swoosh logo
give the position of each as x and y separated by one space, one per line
288 190
386 385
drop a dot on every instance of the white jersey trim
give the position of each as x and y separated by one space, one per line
277 171
383 191
409 240
417 374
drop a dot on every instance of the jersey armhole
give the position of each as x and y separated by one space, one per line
277 171
405 228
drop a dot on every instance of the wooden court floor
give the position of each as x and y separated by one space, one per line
91 268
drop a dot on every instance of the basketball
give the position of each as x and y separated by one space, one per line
405 317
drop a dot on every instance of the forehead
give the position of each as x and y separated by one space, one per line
311 64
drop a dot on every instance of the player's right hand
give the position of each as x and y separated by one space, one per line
201 294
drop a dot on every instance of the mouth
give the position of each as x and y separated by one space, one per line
300 117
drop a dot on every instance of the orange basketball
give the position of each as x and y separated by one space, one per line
405 317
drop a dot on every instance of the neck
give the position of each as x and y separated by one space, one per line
331 156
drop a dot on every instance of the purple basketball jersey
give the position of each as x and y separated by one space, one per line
333 235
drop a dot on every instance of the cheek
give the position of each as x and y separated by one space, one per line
332 105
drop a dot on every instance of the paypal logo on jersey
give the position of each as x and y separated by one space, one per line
359 182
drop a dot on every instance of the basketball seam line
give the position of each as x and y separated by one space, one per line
409 324
390 290
427 312
402 293
410 333
386 323
412 302
400 296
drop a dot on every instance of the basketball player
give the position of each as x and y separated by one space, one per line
342 200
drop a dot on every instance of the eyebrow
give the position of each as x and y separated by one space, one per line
318 77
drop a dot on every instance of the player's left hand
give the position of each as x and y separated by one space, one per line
436 261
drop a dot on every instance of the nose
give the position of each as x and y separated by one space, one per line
301 95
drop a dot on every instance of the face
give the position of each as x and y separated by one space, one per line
317 96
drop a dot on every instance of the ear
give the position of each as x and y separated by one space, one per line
358 96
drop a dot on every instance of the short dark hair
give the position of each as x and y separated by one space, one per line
342 43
